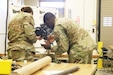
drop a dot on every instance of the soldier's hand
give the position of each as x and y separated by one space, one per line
47 45
51 38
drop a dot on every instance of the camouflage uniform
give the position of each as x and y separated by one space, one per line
21 37
72 39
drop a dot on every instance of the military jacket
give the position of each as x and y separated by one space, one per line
21 33
72 39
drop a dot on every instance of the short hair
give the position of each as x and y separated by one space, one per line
27 9
47 16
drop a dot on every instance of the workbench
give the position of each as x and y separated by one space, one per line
85 69
63 57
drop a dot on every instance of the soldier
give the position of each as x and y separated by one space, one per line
70 38
21 36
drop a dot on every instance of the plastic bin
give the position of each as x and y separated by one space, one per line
5 66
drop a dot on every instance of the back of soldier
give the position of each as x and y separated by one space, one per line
18 46
16 27
80 42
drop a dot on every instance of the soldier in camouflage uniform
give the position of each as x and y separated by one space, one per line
70 38
21 36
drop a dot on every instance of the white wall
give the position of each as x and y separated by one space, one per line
74 8
84 9
3 13
84 12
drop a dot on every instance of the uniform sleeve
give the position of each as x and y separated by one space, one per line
61 39
29 29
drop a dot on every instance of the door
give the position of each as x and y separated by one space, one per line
106 22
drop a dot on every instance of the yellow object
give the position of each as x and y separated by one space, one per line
5 66
100 45
94 22
100 63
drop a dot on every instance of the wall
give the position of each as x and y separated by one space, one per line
106 23
84 12
3 15
74 8
84 9
31 2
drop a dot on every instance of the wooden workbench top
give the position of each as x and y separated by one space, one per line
85 69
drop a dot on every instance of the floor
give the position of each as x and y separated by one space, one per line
100 72
105 70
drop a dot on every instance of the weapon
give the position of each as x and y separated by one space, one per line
43 31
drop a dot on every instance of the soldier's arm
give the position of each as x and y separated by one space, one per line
62 41
29 29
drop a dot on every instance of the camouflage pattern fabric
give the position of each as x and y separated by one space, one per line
21 37
74 40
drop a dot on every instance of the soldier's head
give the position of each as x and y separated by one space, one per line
49 19
27 9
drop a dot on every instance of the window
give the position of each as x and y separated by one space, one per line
59 4
52 4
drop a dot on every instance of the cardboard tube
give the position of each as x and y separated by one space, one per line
33 67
